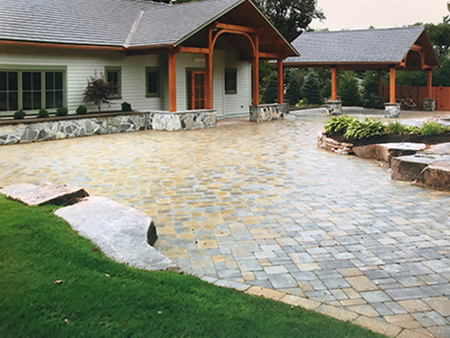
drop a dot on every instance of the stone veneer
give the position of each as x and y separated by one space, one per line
33 130
429 104
392 110
334 107
268 112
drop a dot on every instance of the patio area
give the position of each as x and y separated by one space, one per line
261 205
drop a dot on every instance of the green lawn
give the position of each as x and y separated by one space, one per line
37 248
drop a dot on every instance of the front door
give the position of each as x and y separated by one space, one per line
197 90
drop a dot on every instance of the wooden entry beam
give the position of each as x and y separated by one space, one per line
256 72
236 28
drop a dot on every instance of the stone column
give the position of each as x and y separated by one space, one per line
392 110
429 104
334 107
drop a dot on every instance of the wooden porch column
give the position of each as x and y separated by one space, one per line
392 85
380 84
280 77
430 84
333 84
256 72
172 82
209 72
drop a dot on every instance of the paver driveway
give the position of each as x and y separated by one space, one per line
261 205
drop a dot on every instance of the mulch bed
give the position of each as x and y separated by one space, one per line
427 139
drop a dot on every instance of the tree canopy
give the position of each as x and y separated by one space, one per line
290 17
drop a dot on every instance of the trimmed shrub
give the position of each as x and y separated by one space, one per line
81 110
19 115
431 128
43 113
126 106
62 111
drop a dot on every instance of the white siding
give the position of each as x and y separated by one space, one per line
238 104
82 64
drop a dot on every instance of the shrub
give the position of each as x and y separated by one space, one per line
81 110
412 130
62 111
311 88
396 128
43 113
126 106
98 91
357 130
19 115
431 128
338 124
293 85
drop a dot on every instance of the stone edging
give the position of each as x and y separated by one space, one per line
388 329
35 130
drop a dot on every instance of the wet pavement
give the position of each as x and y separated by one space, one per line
260 207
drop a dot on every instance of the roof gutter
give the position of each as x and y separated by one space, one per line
59 45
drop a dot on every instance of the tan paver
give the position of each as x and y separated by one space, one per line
440 305
375 325
361 283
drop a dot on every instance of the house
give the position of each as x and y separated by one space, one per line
406 48
172 59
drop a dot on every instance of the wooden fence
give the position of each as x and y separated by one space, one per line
417 94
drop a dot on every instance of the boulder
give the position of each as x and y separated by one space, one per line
435 176
121 232
44 193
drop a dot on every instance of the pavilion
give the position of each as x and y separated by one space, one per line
392 49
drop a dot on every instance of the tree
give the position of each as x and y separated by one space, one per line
271 93
293 83
290 17
311 88
348 89
98 91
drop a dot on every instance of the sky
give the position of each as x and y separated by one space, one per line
361 14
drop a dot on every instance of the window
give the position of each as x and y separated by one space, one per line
9 90
230 81
31 89
113 76
152 82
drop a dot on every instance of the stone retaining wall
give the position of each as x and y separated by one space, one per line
58 128
332 145
268 112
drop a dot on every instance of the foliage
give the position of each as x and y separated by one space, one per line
348 89
293 83
338 124
412 130
19 115
101 298
43 113
62 111
81 110
311 88
271 93
396 128
357 130
126 106
290 17
431 128
265 72
98 91
370 85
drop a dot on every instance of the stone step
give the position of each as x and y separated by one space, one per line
408 168
435 176
386 151
44 193
119 231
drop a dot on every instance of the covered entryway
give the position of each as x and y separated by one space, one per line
372 49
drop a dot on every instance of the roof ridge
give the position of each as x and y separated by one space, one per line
133 28
367 29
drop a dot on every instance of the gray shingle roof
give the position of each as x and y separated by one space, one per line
370 45
105 22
